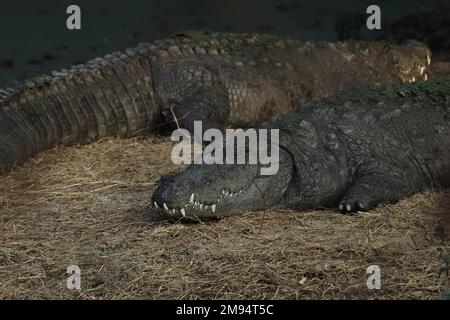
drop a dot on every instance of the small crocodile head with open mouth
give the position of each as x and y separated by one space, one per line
203 191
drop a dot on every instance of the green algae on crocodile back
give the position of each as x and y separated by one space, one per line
225 80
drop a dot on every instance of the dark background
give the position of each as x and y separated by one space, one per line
34 38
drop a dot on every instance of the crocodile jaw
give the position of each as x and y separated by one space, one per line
205 191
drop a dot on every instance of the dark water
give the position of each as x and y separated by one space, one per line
35 40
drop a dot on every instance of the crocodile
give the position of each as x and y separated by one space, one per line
352 151
226 80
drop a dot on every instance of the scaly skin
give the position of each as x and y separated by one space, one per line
352 151
223 79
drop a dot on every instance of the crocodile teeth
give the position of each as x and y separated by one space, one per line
348 207
206 207
213 208
201 206
183 212
191 199
165 206
428 59
173 211
425 77
155 204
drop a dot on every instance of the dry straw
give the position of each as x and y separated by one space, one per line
90 206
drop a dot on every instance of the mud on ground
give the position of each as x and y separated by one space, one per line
89 206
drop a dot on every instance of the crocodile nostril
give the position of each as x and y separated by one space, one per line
166 179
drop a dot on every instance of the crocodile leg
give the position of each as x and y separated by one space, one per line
190 91
206 104
373 188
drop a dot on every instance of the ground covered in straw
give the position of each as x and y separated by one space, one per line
89 206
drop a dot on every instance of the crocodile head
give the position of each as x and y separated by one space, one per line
412 61
203 191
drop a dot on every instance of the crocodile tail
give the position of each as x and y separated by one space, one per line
106 97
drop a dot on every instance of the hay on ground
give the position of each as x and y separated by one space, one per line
90 206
